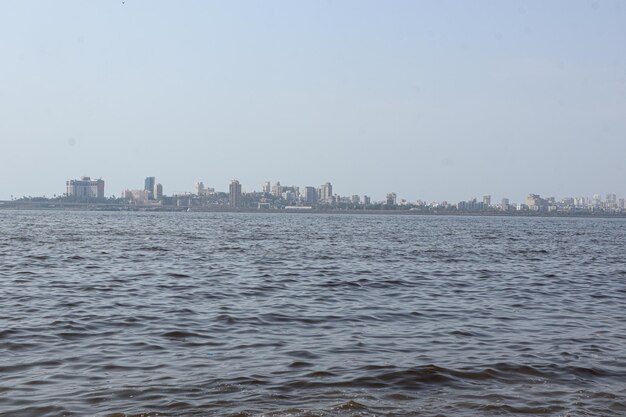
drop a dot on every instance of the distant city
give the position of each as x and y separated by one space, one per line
87 191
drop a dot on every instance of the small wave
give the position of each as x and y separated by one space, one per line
321 374
300 364
153 249
350 406
305 354
510 409
177 275
38 257
37 411
7 333
180 334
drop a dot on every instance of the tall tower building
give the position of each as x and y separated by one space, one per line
277 190
326 193
149 184
267 188
158 192
199 186
310 195
597 200
235 194
487 200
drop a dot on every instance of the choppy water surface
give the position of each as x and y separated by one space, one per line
201 314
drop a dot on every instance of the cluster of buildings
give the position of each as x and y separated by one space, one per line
535 203
610 204
270 196
151 192
279 196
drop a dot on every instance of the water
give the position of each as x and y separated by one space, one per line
201 314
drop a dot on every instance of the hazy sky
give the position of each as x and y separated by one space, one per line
435 100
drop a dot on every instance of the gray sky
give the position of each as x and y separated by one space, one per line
442 100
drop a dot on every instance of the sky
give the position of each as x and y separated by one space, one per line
433 100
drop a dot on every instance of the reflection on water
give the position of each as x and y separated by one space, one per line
191 314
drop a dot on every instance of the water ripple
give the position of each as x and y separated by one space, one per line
195 314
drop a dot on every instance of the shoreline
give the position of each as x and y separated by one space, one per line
36 206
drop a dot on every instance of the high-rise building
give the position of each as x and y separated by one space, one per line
534 201
505 203
158 192
310 195
277 190
235 194
199 187
149 187
325 194
391 199
267 188
597 200
487 200
356 199
367 200
611 200
85 188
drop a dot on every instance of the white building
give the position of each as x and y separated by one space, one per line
85 188
325 193
199 188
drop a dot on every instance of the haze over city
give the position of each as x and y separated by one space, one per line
434 101
313 208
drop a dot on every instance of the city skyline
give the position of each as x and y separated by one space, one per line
307 195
